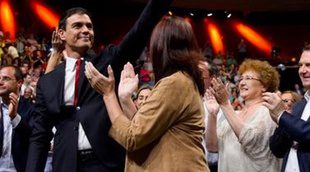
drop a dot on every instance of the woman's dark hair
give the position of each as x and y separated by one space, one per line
173 47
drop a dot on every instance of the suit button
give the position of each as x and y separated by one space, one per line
78 108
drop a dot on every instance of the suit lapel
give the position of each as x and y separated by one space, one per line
299 107
60 73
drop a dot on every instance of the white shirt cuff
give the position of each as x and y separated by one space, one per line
16 120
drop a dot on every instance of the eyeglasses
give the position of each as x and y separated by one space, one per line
287 100
6 78
247 78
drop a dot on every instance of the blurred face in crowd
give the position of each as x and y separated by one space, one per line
8 82
33 83
288 101
304 69
27 79
142 96
28 93
204 67
37 71
78 33
24 68
250 85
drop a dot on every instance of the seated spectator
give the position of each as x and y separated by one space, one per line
12 51
289 98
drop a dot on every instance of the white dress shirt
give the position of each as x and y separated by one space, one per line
292 164
6 159
83 142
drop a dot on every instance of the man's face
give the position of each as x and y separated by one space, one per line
28 93
79 33
304 69
24 69
143 95
27 79
8 82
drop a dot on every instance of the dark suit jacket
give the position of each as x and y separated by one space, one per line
21 135
90 111
292 128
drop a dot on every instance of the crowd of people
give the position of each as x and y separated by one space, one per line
177 108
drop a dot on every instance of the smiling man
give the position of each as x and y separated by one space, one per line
291 139
66 100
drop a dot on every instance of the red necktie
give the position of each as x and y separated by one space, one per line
77 77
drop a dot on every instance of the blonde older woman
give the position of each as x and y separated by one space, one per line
242 139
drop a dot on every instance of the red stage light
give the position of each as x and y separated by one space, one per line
45 14
7 18
253 37
215 36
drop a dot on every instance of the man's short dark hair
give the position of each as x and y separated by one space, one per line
18 73
69 13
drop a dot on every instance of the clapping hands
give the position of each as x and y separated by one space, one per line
128 83
211 103
13 105
219 90
102 84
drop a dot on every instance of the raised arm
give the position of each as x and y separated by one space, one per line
128 84
57 53
221 95
162 107
136 39
213 109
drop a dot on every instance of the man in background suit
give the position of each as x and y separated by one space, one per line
291 139
14 126
66 100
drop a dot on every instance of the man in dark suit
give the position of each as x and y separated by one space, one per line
291 139
15 130
66 100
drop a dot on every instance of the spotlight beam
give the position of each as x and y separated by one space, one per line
215 36
7 19
253 37
48 17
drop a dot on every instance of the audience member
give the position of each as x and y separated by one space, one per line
242 139
291 139
142 94
289 98
166 133
15 127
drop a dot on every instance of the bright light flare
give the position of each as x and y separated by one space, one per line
45 14
215 36
253 37
7 19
